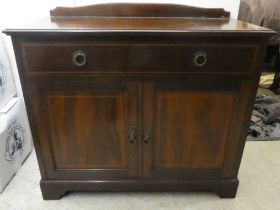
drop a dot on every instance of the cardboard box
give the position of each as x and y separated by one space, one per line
15 140
7 86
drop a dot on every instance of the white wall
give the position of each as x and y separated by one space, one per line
15 12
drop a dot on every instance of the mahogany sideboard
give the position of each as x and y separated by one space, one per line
129 97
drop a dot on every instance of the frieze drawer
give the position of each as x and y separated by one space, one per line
140 58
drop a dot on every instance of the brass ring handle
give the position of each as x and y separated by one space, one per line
79 58
132 135
200 59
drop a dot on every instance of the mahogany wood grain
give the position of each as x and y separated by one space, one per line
55 189
89 138
181 144
173 110
140 26
84 126
139 57
139 73
139 10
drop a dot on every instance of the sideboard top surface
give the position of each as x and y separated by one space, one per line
132 24
140 18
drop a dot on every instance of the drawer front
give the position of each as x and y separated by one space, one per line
104 58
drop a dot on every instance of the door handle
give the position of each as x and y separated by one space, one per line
132 137
147 137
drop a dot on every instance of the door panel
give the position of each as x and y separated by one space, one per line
90 129
85 128
190 128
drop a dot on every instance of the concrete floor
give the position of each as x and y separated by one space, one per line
259 189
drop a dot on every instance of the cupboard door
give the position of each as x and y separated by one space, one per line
187 128
88 127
